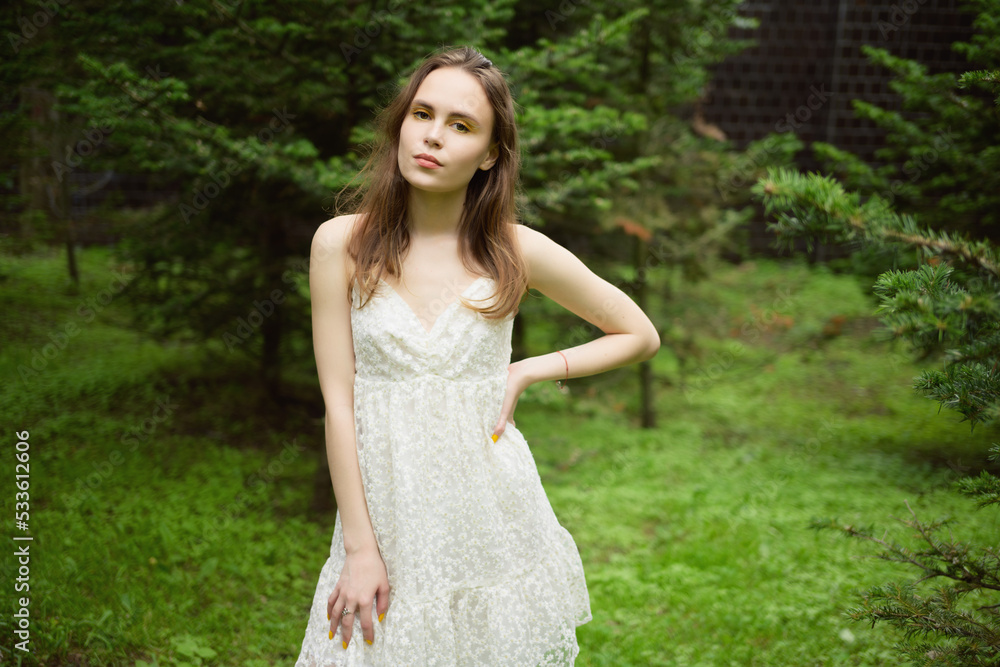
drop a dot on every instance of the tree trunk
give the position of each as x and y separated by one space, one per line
47 189
272 329
646 392
63 211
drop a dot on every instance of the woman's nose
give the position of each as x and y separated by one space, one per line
433 136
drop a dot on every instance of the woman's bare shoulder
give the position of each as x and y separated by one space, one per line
534 245
531 240
336 232
535 248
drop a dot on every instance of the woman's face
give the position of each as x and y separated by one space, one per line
450 121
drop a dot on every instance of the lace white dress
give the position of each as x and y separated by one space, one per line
481 572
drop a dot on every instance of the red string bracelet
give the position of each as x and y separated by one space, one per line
559 383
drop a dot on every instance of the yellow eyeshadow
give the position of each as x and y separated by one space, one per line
461 119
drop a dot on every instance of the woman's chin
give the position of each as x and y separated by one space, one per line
436 188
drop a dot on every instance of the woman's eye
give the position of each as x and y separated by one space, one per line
458 125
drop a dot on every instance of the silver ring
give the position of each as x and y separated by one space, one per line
346 612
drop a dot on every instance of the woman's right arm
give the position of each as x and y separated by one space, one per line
363 578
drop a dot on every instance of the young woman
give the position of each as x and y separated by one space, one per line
445 549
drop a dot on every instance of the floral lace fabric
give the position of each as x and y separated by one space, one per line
481 572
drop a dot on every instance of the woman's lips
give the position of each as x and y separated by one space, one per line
427 163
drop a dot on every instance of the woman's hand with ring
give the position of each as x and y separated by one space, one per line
363 582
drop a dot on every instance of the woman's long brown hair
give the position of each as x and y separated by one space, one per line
486 230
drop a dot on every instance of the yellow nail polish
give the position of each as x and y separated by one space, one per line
381 616
345 646
328 617
494 436
369 642
331 634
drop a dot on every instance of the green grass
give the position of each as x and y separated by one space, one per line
181 519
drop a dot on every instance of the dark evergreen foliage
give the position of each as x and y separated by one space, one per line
946 308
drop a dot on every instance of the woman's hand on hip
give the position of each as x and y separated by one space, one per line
517 381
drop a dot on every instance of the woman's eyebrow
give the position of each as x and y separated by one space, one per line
459 114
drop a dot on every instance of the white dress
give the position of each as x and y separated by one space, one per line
481 572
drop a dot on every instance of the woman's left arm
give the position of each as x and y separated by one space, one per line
557 273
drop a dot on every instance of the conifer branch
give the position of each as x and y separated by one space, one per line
814 205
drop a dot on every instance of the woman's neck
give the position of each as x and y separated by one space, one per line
435 213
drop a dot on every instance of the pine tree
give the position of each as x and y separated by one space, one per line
949 306
941 160
255 114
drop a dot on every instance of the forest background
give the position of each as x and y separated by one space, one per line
163 379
